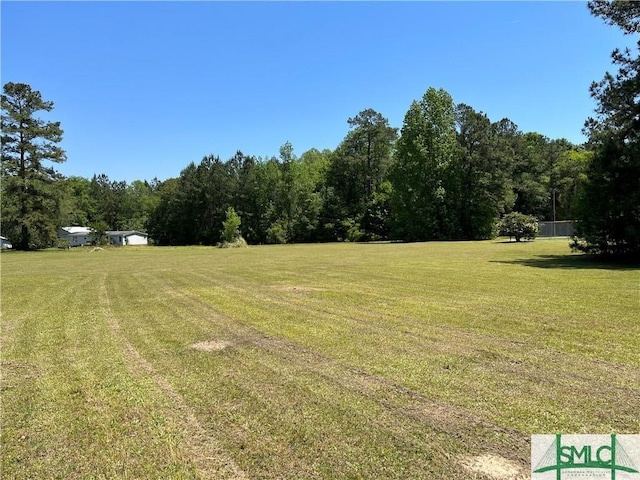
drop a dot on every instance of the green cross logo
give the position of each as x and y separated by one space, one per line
607 455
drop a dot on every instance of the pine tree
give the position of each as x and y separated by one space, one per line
29 197
609 210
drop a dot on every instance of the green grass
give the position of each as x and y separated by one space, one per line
326 361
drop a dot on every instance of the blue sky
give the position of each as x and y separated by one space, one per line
144 88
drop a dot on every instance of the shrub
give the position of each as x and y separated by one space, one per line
231 226
353 231
231 237
62 243
276 233
237 243
519 226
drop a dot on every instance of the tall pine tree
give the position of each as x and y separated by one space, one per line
609 212
29 197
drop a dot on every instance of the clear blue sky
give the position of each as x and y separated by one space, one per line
144 88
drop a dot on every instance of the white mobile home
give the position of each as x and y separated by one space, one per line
76 236
127 237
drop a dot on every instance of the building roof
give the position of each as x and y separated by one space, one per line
77 230
124 233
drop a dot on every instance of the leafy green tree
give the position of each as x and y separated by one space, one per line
358 166
29 194
482 171
519 226
231 226
609 205
98 232
77 206
289 194
268 188
531 177
216 194
164 225
285 196
424 153
568 176
243 170
377 217
120 205
295 203
140 199
191 208
311 178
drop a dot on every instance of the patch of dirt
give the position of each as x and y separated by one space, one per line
208 455
13 374
211 345
298 288
495 467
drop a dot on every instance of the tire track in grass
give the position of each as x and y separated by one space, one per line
207 454
534 367
402 405
26 311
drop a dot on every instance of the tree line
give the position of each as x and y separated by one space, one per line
448 173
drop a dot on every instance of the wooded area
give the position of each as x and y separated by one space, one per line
445 176
448 173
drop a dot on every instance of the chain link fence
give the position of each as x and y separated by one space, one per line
555 229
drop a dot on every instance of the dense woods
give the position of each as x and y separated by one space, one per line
448 173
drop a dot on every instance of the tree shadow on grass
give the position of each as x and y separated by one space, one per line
573 262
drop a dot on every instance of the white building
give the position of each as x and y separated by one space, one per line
5 243
127 237
76 236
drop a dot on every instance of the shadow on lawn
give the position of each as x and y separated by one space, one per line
572 262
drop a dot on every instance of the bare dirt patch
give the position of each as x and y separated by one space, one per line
211 345
15 373
298 288
495 467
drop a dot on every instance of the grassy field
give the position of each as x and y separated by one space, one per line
432 360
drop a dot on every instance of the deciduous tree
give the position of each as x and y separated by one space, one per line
424 153
482 171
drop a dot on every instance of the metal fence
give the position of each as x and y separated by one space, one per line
555 229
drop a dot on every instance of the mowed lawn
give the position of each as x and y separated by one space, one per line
425 360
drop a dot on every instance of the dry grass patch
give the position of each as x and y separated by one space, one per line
494 467
298 288
211 345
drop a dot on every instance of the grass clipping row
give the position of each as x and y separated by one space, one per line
237 243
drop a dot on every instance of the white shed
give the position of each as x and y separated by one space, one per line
127 237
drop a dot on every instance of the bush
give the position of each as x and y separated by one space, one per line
62 243
276 233
353 231
231 226
237 243
519 226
